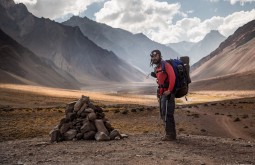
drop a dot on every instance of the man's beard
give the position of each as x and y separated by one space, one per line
156 62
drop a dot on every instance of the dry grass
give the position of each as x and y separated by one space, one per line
28 123
74 94
33 111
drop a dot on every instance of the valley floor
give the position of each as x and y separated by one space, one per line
213 128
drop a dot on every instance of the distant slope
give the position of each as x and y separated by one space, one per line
235 55
238 81
198 50
183 48
204 47
134 48
65 46
20 66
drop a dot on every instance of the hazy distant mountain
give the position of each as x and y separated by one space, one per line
198 50
204 47
234 57
19 65
66 46
134 48
183 48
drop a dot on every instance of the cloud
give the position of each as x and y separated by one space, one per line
154 19
56 8
235 20
193 29
214 0
190 11
232 2
242 2
150 17
137 16
32 2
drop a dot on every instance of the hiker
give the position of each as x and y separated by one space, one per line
166 82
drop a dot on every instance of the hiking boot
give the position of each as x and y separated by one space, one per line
168 138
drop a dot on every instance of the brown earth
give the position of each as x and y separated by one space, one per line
219 132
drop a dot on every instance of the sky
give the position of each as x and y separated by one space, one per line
164 21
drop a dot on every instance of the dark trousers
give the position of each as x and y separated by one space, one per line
167 106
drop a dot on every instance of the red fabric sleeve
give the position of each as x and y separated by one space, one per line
171 76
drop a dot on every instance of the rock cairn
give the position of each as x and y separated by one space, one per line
84 121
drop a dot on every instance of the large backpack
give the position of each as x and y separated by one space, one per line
181 69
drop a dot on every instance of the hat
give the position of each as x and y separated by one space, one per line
154 52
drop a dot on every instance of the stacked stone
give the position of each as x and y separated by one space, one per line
84 121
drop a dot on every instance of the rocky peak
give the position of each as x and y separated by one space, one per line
213 34
7 3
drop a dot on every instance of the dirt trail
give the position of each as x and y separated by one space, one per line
136 149
226 124
223 124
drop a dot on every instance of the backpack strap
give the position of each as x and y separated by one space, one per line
163 69
163 66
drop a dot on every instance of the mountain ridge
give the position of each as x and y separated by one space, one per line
200 49
134 48
232 60
20 66
66 46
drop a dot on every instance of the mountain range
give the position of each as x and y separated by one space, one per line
19 65
231 64
81 52
65 46
133 48
197 51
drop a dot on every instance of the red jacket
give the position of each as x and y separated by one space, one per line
168 76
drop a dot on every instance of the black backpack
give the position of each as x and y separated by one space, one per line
181 69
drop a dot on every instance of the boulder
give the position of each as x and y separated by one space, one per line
65 127
114 134
62 121
108 126
100 126
70 107
55 136
70 134
85 105
83 115
101 136
79 136
80 102
71 116
89 110
89 135
92 116
88 126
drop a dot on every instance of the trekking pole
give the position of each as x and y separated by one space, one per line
148 76
166 110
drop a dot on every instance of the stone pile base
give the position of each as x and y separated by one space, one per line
84 121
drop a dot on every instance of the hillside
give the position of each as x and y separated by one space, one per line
235 55
198 50
182 47
238 81
204 47
19 65
65 46
133 48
